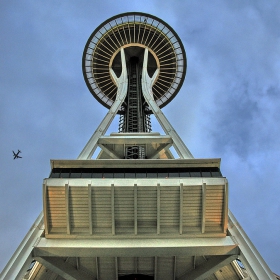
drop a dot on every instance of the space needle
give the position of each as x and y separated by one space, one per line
135 211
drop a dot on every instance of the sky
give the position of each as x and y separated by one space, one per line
228 106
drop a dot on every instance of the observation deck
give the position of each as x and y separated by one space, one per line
134 32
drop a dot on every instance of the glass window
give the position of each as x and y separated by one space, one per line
55 175
216 174
195 174
86 175
118 175
162 175
141 175
108 175
64 175
173 174
152 175
240 263
185 174
75 175
206 174
129 175
97 175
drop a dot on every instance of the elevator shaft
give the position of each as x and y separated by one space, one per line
134 98
136 116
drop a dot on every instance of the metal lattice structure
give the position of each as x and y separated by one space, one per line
135 212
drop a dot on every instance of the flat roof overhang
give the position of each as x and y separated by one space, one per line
135 163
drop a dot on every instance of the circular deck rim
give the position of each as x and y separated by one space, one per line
145 19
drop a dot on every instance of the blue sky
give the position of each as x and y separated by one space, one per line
228 107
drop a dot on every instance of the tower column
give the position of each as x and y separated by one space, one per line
122 83
147 85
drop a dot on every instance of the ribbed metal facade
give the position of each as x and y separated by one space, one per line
122 208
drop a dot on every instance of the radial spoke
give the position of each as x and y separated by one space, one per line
117 26
148 33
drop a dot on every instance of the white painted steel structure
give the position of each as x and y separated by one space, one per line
121 83
157 217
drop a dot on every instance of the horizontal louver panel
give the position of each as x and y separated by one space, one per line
101 210
106 268
88 264
184 264
78 209
126 265
214 208
165 268
132 265
192 208
147 209
124 209
169 209
145 266
56 209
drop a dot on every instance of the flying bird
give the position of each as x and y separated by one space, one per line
16 155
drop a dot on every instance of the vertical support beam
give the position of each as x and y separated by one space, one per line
225 209
77 263
122 84
181 208
67 208
147 84
135 210
203 206
174 267
90 208
155 268
135 265
45 208
97 268
113 208
158 208
116 268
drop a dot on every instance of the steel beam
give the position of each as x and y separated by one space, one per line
103 163
22 258
147 84
109 152
135 247
181 208
209 267
163 148
122 83
203 203
90 208
250 257
135 140
63 269
113 209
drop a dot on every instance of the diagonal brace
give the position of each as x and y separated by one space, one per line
63 269
206 269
